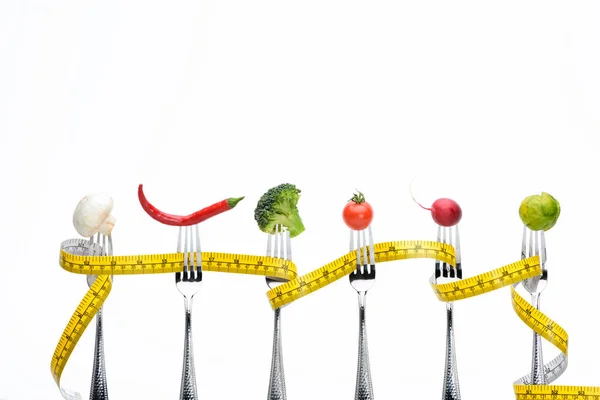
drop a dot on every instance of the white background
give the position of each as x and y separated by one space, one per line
486 102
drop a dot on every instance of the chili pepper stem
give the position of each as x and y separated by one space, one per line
232 201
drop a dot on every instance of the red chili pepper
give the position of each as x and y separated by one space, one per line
186 220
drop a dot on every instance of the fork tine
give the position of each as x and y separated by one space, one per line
458 257
269 245
90 251
372 247
198 249
438 271
288 245
276 248
530 243
444 266
179 240
198 254
178 274
98 243
102 245
358 260
524 243
193 260
91 248
543 249
352 246
451 271
281 241
364 244
185 254
543 255
276 242
110 245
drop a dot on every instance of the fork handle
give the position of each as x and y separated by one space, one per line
364 385
451 386
99 389
277 379
188 377
538 377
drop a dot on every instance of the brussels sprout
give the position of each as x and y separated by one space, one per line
539 212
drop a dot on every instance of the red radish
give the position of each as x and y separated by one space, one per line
445 212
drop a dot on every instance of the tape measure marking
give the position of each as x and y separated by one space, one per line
83 315
173 262
558 337
556 392
331 272
488 281
540 323
300 286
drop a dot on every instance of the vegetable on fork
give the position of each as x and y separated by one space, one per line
445 212
279 206
187 220
358 213
539 212
92 215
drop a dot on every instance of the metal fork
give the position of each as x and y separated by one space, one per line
451 389
362 280
282 248
536 245
99 389
189 283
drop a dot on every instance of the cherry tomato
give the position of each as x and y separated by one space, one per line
358 213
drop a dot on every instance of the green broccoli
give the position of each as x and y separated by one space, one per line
279 206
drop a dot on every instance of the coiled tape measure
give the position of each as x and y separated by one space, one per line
73 259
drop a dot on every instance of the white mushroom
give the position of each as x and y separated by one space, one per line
92 215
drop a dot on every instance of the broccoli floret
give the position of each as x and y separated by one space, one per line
279 206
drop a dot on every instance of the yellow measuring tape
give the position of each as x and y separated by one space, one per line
72 260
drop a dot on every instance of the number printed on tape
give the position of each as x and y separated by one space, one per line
297 287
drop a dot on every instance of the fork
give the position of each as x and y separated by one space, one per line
277 378
362 280
536 245
99 389
451 389
189 282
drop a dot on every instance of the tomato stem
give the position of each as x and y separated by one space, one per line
358 198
